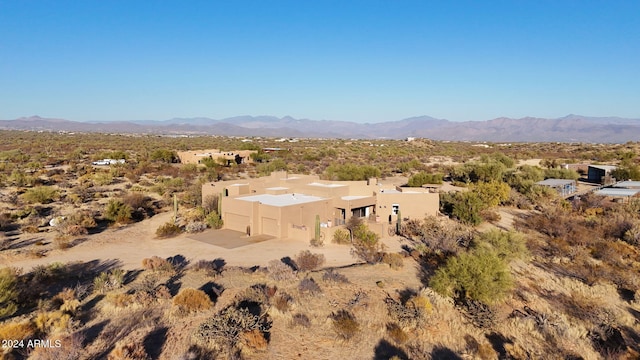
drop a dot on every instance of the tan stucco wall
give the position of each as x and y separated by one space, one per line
298 220
194 156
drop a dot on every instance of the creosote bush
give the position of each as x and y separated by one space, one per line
394 260
224 330
40 194
157 263
279 271
9 294
117 211
334 276
168 229
307 261
341 237
309 286
345 324
367 245
191 300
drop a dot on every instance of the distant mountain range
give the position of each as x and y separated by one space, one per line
571 128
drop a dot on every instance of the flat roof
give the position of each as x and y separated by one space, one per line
627 184
326 185
555 182
604 167
389 191
355 197
617 192
278 188
239 185
282 199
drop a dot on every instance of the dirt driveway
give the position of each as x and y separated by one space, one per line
130 244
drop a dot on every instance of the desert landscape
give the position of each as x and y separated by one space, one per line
129 261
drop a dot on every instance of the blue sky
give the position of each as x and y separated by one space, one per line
363 61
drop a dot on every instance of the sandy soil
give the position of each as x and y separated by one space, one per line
132 243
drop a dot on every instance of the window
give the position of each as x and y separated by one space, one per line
395 208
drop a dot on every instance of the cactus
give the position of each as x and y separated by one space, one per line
317 228
398 222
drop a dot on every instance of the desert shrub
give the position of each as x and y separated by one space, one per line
307 261
9 293
62 242
410 314
214 220
223 330
441 237
480 275
107 281
157 263
191 300
128 350
334 276
478 313
492 193
367 245
210 267
117 211
346 172
195 227
345 324
282 302
309 286
279 271
467 207
397 334
341 236
17 330
40 194
422 178
120 300
608 341
53 321
136 200
168 229
508 245
254 339
394 260
300 320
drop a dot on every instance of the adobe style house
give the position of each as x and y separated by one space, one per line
229 157
286 205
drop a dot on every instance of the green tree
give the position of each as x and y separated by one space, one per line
492 193
164 155
479 275
422 178
467 208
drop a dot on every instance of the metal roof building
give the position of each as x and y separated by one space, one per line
617 192
563 186
628 184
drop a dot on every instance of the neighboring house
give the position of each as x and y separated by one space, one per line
286 205
600 174
564 187
229 157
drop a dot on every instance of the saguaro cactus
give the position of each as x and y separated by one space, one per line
317 228
398 222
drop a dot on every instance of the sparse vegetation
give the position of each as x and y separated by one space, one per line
563 277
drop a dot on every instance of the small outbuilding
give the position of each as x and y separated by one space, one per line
564 187
600 173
